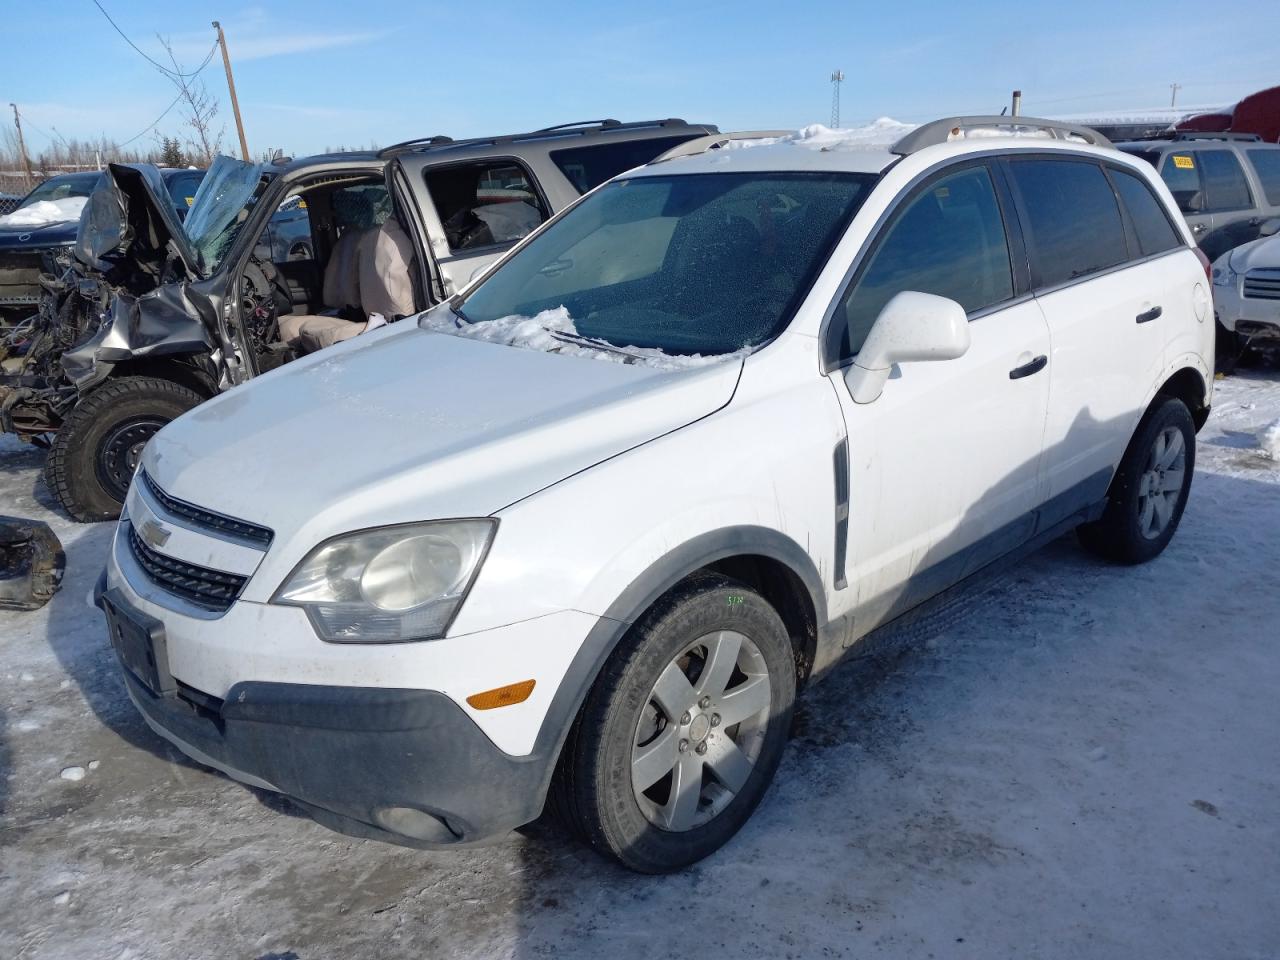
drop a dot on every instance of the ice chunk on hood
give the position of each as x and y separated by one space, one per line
44 212
553 331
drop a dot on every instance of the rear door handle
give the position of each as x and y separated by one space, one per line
1150 315
1027 369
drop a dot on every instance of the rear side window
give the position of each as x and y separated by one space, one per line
1266 163
1224 181
1182 176
588 167
483 204
1072 218
949 240
1155 232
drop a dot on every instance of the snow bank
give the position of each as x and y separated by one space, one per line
875 135
1269 440
552 331
45 211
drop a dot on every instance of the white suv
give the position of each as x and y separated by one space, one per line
586 529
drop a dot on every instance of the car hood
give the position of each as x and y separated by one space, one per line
1259 254
19 238
404 424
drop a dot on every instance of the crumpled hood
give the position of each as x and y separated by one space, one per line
403 424
1261 254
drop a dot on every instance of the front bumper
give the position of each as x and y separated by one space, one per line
1253 317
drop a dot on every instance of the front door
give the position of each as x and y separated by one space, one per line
943 465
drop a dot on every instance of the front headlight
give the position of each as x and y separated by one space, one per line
1224 276
390 583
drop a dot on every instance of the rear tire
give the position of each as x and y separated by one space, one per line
684 729
96 450
1149 491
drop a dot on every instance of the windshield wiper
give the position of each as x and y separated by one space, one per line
595 343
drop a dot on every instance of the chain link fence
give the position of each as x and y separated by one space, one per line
14 184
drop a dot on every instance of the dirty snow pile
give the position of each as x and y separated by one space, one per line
878 134
1269 441
45 211
553 331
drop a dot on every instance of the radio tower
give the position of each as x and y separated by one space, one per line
837 78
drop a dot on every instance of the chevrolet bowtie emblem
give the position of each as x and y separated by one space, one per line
153 535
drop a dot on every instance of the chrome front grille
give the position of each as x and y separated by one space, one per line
211 589
1262 284
250 533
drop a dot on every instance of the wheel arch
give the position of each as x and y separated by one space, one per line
1188 385
181 370
764 559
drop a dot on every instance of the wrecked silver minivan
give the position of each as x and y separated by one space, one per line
154 316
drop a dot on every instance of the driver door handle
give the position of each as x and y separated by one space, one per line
1027 369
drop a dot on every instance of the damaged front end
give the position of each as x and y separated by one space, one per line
130 291
31 563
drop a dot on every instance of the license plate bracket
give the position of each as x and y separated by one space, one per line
139 642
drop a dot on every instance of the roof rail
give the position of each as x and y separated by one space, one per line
1209 135
406 145
715 141
581 123
957 128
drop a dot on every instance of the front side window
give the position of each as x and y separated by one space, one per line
1155 232
1224 181
588 167
697 264
483 204
1266 163
1073 221
949 240
1182 176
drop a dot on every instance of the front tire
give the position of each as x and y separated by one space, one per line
95 452
1149 491
684 729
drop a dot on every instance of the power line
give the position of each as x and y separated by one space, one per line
159 66
154 123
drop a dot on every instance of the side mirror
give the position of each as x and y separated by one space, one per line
1270 227
912 327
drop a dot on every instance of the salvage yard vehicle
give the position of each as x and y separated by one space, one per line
44 225
157 316
1246 292
582 531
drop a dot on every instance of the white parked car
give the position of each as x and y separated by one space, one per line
1246 292
586 528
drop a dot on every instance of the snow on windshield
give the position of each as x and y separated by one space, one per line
45 211
553 331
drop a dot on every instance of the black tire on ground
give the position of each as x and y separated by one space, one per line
1140 520
95 451
594 791
1227 349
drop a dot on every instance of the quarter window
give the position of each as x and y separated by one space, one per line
1073 220
588 167
1266 163
1224 181
949 240
483 204
1155 232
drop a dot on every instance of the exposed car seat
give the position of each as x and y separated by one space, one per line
384 266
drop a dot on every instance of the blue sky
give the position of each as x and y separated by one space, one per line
310 75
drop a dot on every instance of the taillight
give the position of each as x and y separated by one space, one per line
1204 262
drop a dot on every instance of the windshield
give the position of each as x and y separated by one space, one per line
62 188
223 203
703 264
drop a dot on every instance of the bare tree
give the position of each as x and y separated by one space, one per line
199 110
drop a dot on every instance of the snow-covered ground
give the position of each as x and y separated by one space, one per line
1067 759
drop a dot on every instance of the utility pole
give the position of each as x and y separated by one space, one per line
231 87
1173 100
22 147
837 78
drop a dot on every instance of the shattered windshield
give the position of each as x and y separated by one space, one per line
669 266
223 203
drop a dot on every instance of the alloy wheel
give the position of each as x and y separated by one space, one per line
1161 482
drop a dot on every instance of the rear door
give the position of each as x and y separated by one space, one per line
1230 201
1108 308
